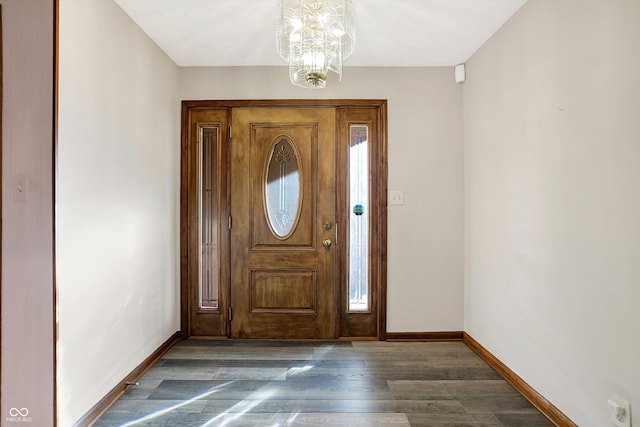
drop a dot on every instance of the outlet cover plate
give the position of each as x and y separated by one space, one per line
620 412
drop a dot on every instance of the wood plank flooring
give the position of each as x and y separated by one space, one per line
309 383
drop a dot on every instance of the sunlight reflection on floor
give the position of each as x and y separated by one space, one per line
236 411
169 409
240 408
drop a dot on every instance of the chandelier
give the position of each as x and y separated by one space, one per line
314 37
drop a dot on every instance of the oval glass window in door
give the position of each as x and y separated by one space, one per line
282 188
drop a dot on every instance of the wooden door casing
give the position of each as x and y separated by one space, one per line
283 287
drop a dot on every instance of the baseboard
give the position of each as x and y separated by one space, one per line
424 336
110 398
528 392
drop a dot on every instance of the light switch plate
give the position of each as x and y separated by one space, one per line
396 197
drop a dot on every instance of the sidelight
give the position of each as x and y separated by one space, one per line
208 162
282 189
358 218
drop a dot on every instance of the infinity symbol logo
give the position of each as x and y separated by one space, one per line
14 412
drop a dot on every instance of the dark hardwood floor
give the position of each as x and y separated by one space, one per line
308 383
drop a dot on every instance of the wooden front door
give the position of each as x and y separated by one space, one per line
283 183
264 186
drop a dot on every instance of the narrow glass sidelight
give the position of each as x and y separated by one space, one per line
208 218
359 218
282 188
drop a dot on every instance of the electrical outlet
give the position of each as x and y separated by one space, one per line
620 411
396 197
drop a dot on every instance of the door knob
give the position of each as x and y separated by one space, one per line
326 243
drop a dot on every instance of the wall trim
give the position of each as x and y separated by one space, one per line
112 396
425 336
536 399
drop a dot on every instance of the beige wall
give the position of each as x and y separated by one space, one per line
552 194
27 218
118 201
425 262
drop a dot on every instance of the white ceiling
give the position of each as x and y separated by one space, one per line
388 32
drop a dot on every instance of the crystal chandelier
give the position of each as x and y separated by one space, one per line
314 37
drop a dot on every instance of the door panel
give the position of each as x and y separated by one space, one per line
283 192
283 291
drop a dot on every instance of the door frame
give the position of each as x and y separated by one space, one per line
349 326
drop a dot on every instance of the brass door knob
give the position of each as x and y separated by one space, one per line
326 243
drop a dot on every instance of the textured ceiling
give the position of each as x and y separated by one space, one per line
388 32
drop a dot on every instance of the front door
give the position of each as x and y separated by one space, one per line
283 219
283 183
